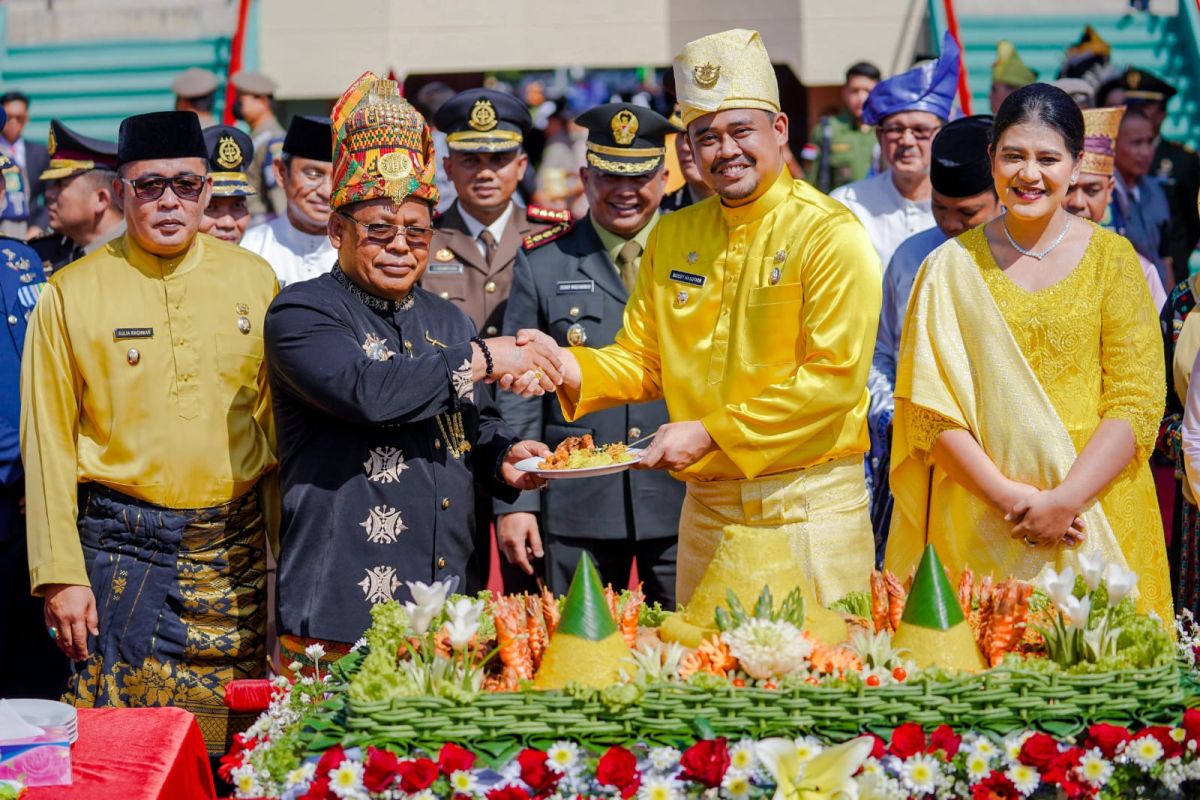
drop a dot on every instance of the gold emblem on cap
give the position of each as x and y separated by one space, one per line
229 155
394 165
483 115
1134 79
706 75
51 142
444 254
624 127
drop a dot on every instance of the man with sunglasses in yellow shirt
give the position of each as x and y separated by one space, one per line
145 431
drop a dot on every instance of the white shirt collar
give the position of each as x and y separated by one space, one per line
475 227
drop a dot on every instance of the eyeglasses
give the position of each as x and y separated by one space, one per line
920 132
383 233
186 187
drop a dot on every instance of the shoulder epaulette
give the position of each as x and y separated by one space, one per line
549 235
543 214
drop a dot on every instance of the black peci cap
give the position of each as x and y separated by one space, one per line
959 164
160 135
309 137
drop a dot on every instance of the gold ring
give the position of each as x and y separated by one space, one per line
537 374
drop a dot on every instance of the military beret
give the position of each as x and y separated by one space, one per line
229 151
195 82
309 137
483 121
160 135
625 139
73 153
959 164
254 83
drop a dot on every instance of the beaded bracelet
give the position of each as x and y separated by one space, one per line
487 354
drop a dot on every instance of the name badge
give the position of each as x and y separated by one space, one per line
132 333
687 277
445 269
569 287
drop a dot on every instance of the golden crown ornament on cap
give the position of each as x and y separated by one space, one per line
624 127
706 81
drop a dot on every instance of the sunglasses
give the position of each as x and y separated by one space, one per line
383 233
186 187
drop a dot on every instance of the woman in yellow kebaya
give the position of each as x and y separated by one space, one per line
1028 391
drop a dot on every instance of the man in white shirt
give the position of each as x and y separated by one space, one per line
296 245
908 110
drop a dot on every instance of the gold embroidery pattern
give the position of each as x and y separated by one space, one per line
623 167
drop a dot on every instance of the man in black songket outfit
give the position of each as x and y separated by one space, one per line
383 427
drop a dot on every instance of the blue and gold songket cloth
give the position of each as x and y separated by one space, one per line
180 596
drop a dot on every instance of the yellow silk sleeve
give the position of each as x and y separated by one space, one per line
843 294
1131 352
629 370
50 398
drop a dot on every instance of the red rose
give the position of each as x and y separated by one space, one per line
706 762
234 758
417 776
908 740
618 768
1038 751
536 773
1107 737
1171 748
1058 770
944 739
380 771
509 792
879 748
330 759
452 759
996 786
318 790
1191 724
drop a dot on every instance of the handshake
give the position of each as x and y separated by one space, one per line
528 364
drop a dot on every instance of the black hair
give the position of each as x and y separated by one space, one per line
863 69
9 97
203 103
1049 105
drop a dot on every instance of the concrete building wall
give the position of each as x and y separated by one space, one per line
46 21
315 52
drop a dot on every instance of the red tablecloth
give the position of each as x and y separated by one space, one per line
135 754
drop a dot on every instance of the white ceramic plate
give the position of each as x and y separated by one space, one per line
532 465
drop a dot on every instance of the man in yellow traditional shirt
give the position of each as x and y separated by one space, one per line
754 316
145 429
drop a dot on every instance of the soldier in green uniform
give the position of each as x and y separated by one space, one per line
843 145
1175 165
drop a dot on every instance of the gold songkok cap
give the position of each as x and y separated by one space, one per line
730 69
1009 69
1100 128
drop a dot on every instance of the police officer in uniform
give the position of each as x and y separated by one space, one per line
478 236
574 286
477 239
30 663
1176 166
843 145
196 90
83 211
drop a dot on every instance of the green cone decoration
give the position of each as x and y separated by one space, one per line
586 613
932 602
586 647
933 628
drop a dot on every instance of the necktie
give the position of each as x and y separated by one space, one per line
627 263
489 246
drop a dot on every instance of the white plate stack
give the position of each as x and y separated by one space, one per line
48 713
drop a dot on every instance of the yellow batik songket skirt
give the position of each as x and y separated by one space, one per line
181 596
823 510
1030 375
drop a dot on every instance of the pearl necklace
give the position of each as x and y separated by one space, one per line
1038 254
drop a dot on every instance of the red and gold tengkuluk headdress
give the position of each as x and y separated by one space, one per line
381 146
1100 128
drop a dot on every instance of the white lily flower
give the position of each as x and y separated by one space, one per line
429 595
1091 567
315 652
1119 582
1077 611
419 617
1059 585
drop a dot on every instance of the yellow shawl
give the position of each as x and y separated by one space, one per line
959 359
